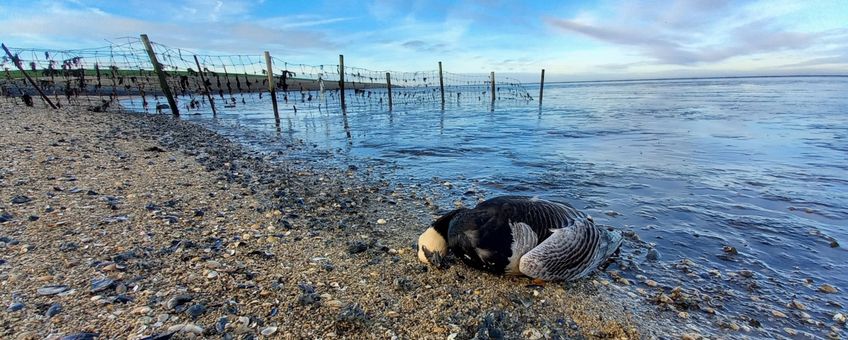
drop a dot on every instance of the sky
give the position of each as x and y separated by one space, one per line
571 40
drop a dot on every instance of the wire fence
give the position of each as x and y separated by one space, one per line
96 77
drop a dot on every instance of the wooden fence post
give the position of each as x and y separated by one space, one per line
206 87
162 80
541 87
493 91
442 85
389 87
341 82
271 86
18 64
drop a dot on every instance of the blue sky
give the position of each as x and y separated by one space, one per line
572 40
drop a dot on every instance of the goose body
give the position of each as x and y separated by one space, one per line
519 235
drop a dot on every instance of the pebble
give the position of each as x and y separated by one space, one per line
54 309
211 274
778 314
381 221
790 331
52 289
178 301
141 310
221 325
531 334
185 328
683 315
651 283
16 306
690 336
797 304
101 284
653 255
335 304
839 317
195 311
828 289
268 331
80 336
20 199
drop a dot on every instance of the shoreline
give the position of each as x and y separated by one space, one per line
300 249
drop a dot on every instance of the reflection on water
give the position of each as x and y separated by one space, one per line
758 164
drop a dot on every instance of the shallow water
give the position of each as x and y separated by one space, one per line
758 164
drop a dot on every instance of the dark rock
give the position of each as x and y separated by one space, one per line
101 284
91 193
492 326
123 298
653 255
151 207
221 324
52 289
308 295
357 247
404 284
154 149
351 317
14 307
196 310
199 213
54 309
5 217
81 336
33 218
20 199
178 302
328 266
68 246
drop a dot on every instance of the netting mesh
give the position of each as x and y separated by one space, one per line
95 77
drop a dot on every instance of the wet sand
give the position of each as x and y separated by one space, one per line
128 225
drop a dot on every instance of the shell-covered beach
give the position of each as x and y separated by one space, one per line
131 226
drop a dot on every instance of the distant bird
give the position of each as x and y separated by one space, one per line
160 107
519 235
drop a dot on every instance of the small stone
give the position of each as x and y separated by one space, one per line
54 309
797 304
16 306
531 334
178 301
746 273
392 314
163 317
141 310
185 328
651 283
335 304
221 324
196 310
81 336
20 199
690 336
828 289
101 284
653 255
778 314
839 317
381 221
730 250
211 274
683 315
664 298
790 331
52 289
268 331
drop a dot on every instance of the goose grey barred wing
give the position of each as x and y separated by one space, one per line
570 253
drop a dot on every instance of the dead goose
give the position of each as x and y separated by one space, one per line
519 235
